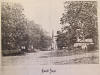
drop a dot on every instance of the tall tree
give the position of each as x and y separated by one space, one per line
18 31
12 25
80 15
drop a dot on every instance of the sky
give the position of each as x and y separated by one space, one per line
46 13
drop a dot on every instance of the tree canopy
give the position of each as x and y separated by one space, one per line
17 30
80 15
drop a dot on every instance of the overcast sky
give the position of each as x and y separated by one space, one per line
47 13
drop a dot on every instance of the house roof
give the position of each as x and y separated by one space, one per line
85 41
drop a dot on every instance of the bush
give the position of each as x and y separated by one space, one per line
11 52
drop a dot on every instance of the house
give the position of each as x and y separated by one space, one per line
83 43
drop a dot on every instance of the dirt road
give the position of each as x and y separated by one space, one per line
22 64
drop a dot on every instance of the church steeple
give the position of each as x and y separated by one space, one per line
54 45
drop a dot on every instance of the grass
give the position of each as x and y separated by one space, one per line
64 52
83 60
77 57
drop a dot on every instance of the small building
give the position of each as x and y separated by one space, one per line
83 43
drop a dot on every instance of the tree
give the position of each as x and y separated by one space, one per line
65 39
45 41
80 15
12 25
37 37
18 31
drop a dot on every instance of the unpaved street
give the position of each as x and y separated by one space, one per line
22 64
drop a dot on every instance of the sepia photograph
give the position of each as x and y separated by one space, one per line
48 32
